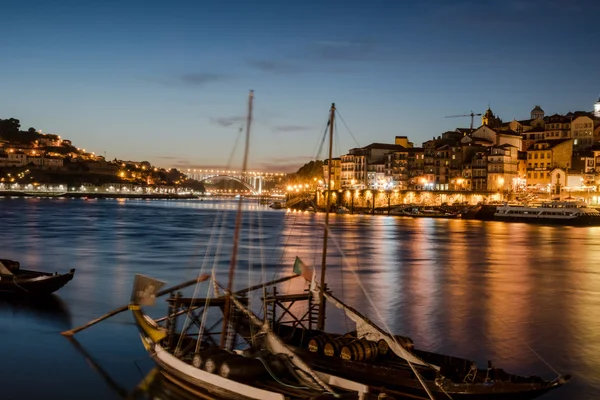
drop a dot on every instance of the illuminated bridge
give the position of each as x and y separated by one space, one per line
251 180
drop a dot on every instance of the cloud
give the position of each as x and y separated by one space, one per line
201 78
290 128
309 58
191 79
275 66
228 121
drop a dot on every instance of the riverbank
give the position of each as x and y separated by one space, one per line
91 195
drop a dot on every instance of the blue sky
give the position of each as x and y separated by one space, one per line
168 81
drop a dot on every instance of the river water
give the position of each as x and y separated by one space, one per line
480 290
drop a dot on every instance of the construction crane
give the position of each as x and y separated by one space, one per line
472 115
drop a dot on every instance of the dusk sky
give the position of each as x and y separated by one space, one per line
167 81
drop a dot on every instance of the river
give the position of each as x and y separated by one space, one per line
526 297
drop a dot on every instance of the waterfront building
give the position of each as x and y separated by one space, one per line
403 141
355 163
583 162
348 175
17 158
337 173
499 137
582 131
416 164
557 127
502 167
396 168
545 156
479 170
519 183
376 177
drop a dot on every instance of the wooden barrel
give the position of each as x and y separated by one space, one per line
317 344
384 348
351 334
240 368
199 358
213 361
360 350
334 347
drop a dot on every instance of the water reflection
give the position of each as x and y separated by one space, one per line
49 310
154 385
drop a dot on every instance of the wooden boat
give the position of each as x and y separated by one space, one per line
13 279
276 205
258 365
388 364
392 365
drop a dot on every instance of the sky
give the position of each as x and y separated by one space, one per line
168 81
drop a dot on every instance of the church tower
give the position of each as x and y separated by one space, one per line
537 112
490 120
597 108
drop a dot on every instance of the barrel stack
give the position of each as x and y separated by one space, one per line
360 350
317 344
334 347
384 348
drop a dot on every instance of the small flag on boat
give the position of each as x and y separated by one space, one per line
302 269
144 290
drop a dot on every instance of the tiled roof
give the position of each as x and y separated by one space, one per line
551 142
508 132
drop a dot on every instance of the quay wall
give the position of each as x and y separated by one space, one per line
374 199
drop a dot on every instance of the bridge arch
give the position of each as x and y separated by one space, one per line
231 178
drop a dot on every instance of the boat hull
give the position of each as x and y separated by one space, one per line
34 283
397 379
576 221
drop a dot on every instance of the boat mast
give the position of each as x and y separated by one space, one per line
236 234
321 319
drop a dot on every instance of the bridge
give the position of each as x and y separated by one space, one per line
251 180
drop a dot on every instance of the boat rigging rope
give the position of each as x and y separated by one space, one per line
544 361
323 140
218 221
266 365
349 131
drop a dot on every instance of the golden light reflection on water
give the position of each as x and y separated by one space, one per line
584 315
458 300
421 284
509 287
